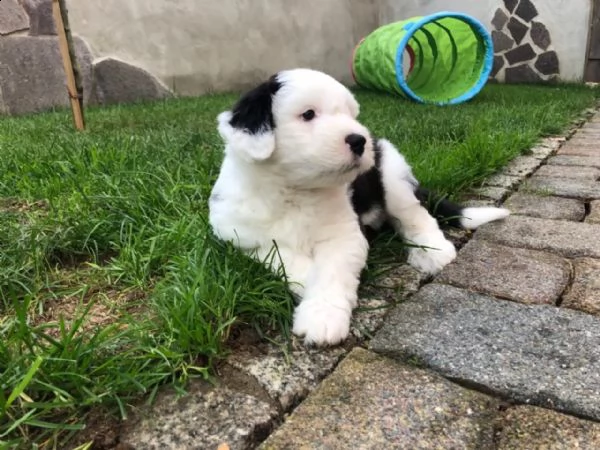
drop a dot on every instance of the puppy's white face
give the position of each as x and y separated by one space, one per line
300 125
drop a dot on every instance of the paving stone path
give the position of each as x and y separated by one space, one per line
499 351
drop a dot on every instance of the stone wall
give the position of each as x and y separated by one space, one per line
198 46
32 77
130 50
534 40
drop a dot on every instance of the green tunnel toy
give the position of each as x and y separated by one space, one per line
444 58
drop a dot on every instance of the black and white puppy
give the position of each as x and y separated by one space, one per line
301 172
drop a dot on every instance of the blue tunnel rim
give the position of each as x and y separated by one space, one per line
488 61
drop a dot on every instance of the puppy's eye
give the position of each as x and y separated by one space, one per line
308 115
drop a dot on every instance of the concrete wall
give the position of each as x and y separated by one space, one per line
131 50
197 46
566 24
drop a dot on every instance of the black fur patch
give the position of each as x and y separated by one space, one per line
446 212
367 188
254 110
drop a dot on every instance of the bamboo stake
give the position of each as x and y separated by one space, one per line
68 55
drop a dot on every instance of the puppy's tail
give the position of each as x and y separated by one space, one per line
454 215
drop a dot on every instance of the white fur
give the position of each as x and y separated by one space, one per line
431 251
475 217
291 186
298 197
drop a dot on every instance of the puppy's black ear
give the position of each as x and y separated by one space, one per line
248 127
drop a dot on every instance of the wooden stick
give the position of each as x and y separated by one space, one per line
68 66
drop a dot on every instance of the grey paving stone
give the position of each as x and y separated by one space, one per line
503 180
522 166
33 78
12 18
521 275
568 160
594 215
586 132
563 187
535 354
545 207
372 402
584 293
205 418
121 82
491 192
571 239
579 149
588 173
288 377
534 428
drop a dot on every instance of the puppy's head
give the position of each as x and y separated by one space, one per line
301 125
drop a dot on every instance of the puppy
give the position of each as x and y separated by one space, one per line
300 172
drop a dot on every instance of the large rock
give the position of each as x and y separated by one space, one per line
204 418
12 17
545 206
40 17
533 428
571 239
32 77
521 275
120 82
377 403
542 355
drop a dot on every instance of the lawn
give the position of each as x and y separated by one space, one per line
111 284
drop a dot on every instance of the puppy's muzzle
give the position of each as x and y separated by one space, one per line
357 143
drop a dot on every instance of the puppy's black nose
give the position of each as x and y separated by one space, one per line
357 143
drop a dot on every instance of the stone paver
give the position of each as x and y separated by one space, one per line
584 293
503 181
521 275
563 187
521 166
288 378
545 207
568 160
533 428
541 355
205 418
571 239
492 192
594 215
581 148
373 402
546 147
587 173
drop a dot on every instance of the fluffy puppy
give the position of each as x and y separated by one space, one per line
300 172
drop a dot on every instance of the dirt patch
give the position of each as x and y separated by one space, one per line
84 292
18 206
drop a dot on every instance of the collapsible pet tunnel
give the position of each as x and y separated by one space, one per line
450 58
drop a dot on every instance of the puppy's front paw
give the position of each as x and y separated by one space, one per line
321 323
436 254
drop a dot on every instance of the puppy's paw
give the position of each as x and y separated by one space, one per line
321 323
436 254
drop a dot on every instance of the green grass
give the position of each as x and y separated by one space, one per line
112 222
